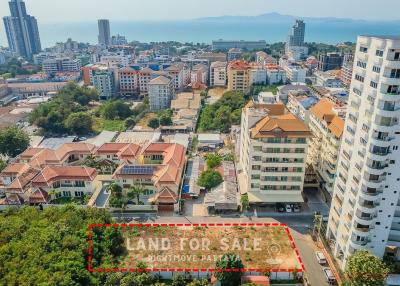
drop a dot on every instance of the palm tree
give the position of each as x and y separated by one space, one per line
136 191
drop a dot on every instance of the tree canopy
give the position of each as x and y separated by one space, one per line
229 261
79 123
13 141
224 113
52 116
364 268
209 179
213 160
115 109
49 247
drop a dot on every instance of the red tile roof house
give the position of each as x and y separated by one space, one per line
159 168
62 181
66 154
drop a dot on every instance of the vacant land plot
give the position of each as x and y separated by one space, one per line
189 247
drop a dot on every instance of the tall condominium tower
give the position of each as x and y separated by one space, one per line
296 34
365 209
22 30
104 32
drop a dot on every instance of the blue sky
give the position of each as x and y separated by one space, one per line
89 10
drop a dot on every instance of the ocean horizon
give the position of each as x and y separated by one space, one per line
206 30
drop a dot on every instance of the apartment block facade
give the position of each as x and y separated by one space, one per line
161 92
327 128
218 74
365 210
272 153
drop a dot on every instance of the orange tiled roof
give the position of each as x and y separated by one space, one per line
68 148
238 65
53 173
324 111
337 126
15 168
282 125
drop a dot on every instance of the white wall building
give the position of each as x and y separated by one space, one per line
296 73
365 210
276 74
218 74
61 65
103 79
161 92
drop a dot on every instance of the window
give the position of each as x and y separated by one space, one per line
395 73
66 193
79 184
379 53
373 84
357 91
363 49
376 69
361 64
78 194
359 78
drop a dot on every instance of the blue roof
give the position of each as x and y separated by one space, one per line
185 189
309 101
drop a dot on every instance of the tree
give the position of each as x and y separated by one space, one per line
3 165
165 117
136 191
363 268
213 160
50 247
195 282
245 201
116 197
79 123
13 141
154 123
229 261
115 109
180 280
209 179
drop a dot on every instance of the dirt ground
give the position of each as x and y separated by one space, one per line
259 247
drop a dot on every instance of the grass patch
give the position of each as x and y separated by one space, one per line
145 120
100 124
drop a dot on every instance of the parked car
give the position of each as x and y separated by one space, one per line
296 208
288 209
280 208
320 257
330 278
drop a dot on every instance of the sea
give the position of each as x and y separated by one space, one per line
204 31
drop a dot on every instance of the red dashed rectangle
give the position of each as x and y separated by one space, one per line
124 269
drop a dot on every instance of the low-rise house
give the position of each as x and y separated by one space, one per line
329 79
65 181
299 104
159 168
209 141
265 59
275 74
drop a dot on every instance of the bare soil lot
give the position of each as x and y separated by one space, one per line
259 247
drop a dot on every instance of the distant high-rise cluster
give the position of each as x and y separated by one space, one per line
296 34
295 47
104 32
22 30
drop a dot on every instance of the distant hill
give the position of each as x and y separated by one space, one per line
279 18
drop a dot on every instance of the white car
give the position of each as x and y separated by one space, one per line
330 278
320 257
288 208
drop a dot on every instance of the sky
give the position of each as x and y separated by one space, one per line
138 10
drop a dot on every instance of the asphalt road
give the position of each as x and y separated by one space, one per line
300 225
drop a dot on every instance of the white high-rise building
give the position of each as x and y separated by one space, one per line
365 209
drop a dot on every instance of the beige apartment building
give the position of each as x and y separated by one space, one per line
273 151
327 128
